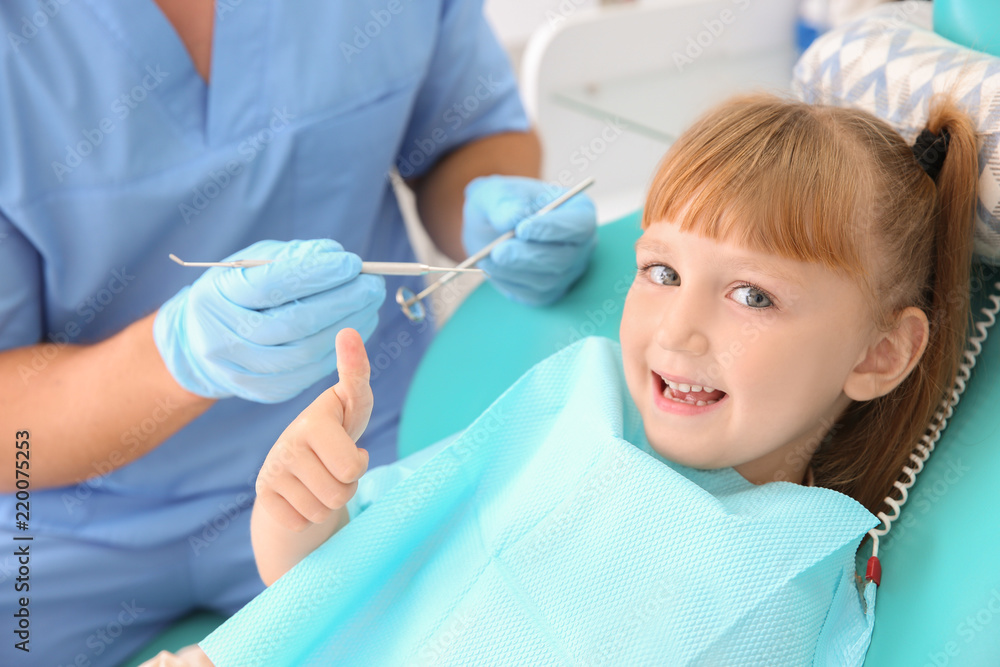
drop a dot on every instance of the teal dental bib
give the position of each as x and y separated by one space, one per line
549 533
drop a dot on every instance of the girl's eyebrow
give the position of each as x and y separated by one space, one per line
652 246
737 264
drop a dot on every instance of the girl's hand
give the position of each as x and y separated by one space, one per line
189 656
314 467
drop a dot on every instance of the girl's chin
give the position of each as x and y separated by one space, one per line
686 458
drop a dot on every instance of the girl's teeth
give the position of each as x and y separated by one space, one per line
686 388
688 400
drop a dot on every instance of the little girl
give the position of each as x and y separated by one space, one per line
798 315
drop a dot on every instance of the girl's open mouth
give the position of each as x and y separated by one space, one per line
681 398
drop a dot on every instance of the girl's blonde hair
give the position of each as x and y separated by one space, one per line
840 187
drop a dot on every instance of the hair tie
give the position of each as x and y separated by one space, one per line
930 149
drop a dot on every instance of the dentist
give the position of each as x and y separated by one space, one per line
141 404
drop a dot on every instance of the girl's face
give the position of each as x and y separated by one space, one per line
779 337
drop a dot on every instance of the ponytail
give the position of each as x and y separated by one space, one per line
868 447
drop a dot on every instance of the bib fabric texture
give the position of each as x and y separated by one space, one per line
550 533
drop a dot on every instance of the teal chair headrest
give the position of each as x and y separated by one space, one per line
971 23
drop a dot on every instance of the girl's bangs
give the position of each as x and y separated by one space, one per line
765 177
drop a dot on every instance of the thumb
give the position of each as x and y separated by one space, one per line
352 389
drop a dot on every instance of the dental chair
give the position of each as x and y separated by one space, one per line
940 561
939 600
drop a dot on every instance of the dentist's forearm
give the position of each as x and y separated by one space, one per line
89 409
441 192
277 549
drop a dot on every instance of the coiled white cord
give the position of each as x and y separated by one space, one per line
923 449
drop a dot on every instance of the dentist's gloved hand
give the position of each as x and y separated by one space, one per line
547 254
265 333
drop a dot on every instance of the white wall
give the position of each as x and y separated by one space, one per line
515 20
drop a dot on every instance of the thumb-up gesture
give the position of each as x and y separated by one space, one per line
314 467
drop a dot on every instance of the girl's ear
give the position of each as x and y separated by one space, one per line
889 360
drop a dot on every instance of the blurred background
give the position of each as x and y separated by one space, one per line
608 84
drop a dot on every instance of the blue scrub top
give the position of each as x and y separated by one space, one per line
116 152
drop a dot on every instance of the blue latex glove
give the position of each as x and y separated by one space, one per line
547 254
267 332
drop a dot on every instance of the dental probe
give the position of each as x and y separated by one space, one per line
412 303
377 268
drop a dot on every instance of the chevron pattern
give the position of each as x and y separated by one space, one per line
890 65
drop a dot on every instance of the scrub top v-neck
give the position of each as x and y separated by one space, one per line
231 103
114 151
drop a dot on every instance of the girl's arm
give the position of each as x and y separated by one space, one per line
277 548
314 467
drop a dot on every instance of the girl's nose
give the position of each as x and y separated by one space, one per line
682 325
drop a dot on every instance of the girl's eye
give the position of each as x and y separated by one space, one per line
747 294
752 296
661 274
